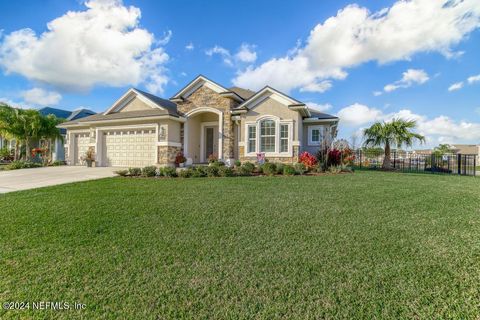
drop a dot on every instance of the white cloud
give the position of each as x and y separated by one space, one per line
355 36
246 53
190 46
321 86
319 107
436 130
38 96
409 78
377 93
221 51
456 86
359 114
102 45
473 79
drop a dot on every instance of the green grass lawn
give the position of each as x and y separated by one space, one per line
367 245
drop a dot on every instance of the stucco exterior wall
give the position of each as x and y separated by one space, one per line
135 105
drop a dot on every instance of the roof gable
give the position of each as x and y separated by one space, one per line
197 83
150 100
269 92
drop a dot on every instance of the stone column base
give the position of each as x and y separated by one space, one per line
167 154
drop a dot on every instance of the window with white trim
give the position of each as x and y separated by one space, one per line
267 136
315 135
252 138
284 128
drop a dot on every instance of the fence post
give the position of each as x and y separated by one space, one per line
459 164
474 165
360 156
394 158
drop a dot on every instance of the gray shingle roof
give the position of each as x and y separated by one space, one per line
163 103
122 115
320 115
243 93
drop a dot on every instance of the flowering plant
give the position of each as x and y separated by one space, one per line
308 159
39 151
180 158
212 158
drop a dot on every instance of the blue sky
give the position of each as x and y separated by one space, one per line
362 60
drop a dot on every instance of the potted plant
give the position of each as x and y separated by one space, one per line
89 157
180 159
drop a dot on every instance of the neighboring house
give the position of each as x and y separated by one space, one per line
58 152
468 149
202 119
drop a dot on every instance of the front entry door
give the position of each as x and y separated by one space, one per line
211 141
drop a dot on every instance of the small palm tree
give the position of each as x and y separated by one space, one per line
395 133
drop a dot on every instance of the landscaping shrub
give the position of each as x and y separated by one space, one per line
134 172
14 165
307 159
186 173
249 166
245 170
300 168
288 170
335 169
169 172
122 173
280 167
149 171
237 163
212 171
226 172
57 163
269 168
199 172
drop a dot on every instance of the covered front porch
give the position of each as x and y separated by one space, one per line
203 135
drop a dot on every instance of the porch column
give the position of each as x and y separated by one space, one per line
220 135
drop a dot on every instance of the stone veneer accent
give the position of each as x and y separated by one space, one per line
206 97
286 160
167 154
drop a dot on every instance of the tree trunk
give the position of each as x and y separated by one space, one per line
17 150
27 149
387 162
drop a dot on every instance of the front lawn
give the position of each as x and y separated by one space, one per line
364 245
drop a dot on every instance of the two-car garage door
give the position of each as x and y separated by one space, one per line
129 148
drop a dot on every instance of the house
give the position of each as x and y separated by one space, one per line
58 152
204 118
473 149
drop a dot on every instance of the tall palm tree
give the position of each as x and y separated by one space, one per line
49 130
31 124
396 133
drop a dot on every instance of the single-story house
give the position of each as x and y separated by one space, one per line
58 152
203 119
473 149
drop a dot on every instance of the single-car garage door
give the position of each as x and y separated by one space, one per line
129 148
81 144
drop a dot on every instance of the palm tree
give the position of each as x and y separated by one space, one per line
395 133
49 130
11 126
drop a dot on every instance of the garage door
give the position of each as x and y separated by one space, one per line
129 148
82 140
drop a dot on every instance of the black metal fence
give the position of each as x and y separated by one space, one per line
461 164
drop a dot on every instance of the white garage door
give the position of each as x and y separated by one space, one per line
129 148
82 140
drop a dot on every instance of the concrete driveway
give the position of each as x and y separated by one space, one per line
23 179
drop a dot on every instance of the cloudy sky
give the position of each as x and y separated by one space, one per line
363 60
